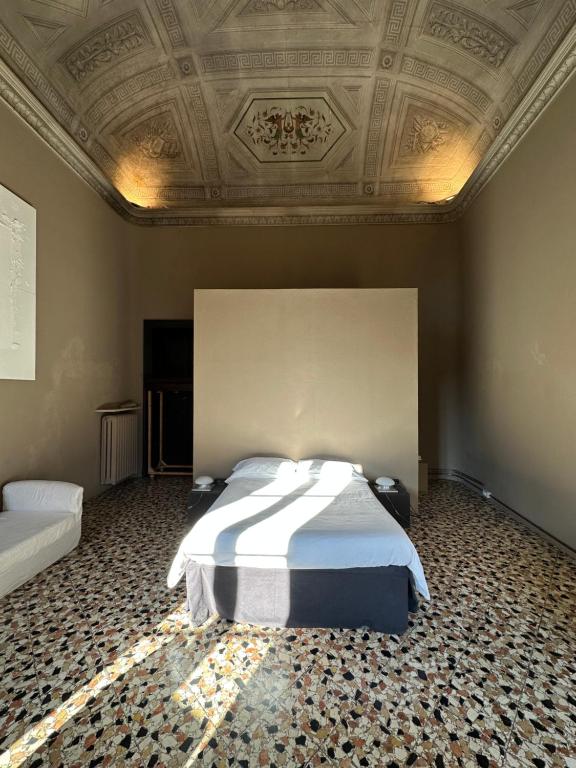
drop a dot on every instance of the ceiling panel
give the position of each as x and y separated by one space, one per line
247 111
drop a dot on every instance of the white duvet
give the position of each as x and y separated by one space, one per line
298 523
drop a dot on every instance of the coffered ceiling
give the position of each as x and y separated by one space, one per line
284 111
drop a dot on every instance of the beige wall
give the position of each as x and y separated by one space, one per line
513 428
47 427
303 373
518 425
169 263
98 278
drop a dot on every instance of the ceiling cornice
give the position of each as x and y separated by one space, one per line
28 107
543 91
546 87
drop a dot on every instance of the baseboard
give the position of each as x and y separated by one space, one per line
478 487
441 473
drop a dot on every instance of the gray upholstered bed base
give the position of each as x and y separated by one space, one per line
378 598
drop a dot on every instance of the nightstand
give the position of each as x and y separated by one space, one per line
396 500
200 499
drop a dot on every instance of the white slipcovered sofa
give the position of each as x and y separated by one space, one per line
39 523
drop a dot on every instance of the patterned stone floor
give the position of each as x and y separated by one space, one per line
99 667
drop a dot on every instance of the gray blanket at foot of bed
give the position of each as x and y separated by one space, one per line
378 598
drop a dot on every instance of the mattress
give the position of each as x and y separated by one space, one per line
30 541
298 524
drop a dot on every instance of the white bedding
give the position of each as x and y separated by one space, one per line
298 523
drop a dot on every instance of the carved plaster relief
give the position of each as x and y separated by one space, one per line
279 6
472 34
108 46
156 138
428 135
17 287
425 135
153 142
257 15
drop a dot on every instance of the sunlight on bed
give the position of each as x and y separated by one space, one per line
279 526
208 528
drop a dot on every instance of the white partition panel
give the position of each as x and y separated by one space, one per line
304 373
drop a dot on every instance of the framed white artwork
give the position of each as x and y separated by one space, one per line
17 287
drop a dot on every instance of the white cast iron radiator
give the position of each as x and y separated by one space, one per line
118 448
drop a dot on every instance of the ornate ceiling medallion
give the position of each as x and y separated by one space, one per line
426 135
156 138
430 138
289 129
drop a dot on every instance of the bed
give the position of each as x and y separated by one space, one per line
303 544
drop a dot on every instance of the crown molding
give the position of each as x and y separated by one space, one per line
36 116
284 216
546 87
543 91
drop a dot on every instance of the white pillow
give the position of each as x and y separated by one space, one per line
320 468
263 468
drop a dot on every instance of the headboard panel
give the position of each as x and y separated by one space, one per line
304 373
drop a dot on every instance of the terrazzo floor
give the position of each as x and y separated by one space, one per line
99 667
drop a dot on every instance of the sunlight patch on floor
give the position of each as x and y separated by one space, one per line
29 743
213 682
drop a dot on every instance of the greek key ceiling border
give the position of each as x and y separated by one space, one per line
430 73
287 58
136 84
172 23
545 88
